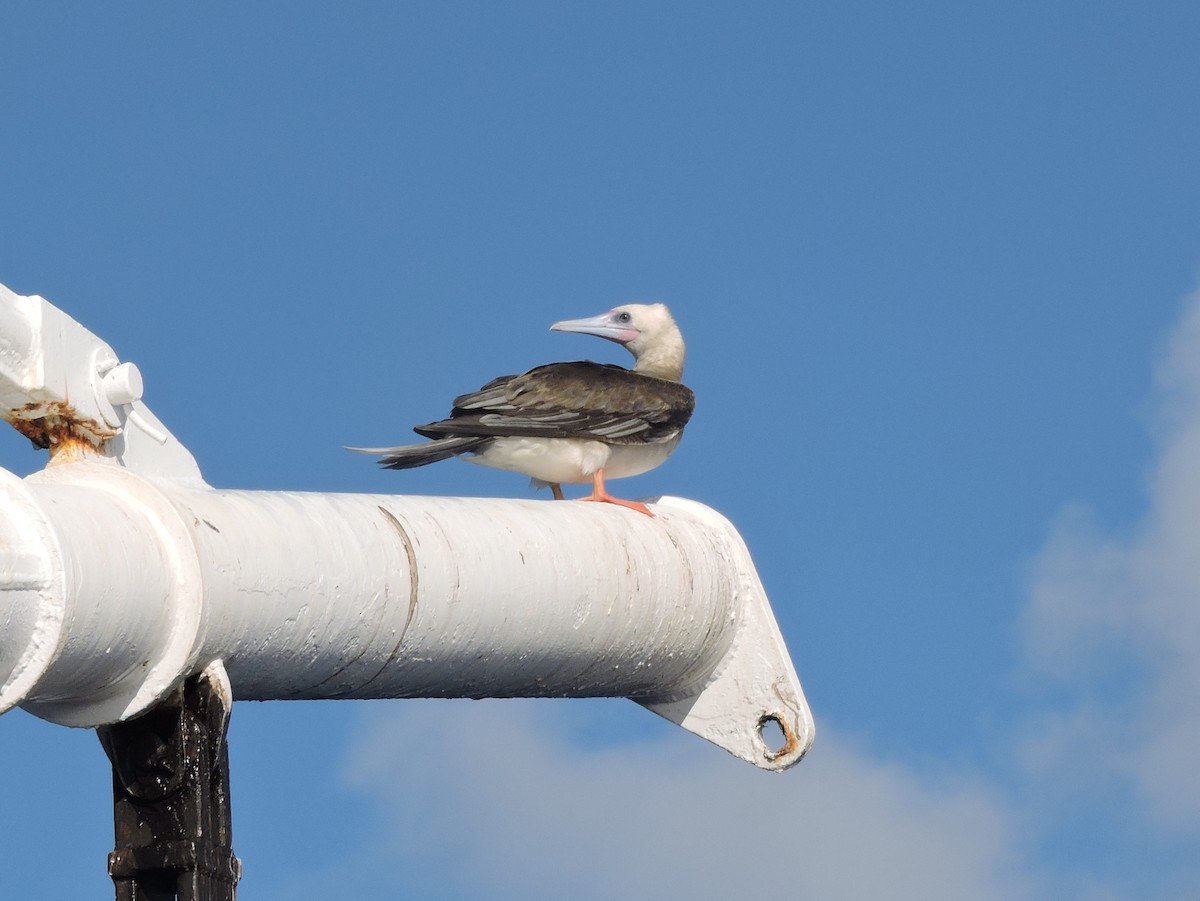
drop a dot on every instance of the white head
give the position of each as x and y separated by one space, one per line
646 330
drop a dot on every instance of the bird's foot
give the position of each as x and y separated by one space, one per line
607 498
556 490
600 495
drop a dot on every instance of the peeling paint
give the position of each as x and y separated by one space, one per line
58 427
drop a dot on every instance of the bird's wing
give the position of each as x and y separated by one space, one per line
572 400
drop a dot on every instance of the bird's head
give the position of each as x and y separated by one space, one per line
646 330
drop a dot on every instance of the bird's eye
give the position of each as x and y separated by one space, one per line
624 317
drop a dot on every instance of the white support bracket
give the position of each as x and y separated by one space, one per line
122 573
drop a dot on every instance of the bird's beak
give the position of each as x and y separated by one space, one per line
602 326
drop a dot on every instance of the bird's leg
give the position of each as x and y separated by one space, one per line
599 493
556 490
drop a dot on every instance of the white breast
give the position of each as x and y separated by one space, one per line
627 460
572 460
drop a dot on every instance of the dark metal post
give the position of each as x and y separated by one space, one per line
174 833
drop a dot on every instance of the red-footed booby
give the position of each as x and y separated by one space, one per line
572 422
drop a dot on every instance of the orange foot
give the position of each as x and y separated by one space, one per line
601 495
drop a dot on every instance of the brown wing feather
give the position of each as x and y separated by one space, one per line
572 400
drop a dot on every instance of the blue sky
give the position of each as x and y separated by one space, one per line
937 266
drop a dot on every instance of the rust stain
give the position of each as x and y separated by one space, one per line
57 426
791 741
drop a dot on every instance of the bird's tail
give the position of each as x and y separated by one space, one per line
407 456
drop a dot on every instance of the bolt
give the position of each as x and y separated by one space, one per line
123 384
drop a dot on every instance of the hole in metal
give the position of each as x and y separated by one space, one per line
771 731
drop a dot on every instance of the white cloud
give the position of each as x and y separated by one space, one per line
1114 625
496 797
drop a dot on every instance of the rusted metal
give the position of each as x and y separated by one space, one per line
791 741
171 809
58 426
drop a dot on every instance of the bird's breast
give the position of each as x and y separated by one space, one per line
627 460
572 460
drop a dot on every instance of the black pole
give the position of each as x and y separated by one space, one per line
174 833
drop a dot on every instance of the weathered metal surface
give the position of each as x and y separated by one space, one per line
375 596
173 828
755 684
53 425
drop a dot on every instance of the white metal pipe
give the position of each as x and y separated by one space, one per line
140 582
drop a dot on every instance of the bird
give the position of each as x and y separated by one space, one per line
572 422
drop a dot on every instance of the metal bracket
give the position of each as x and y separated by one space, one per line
67 391
171 807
